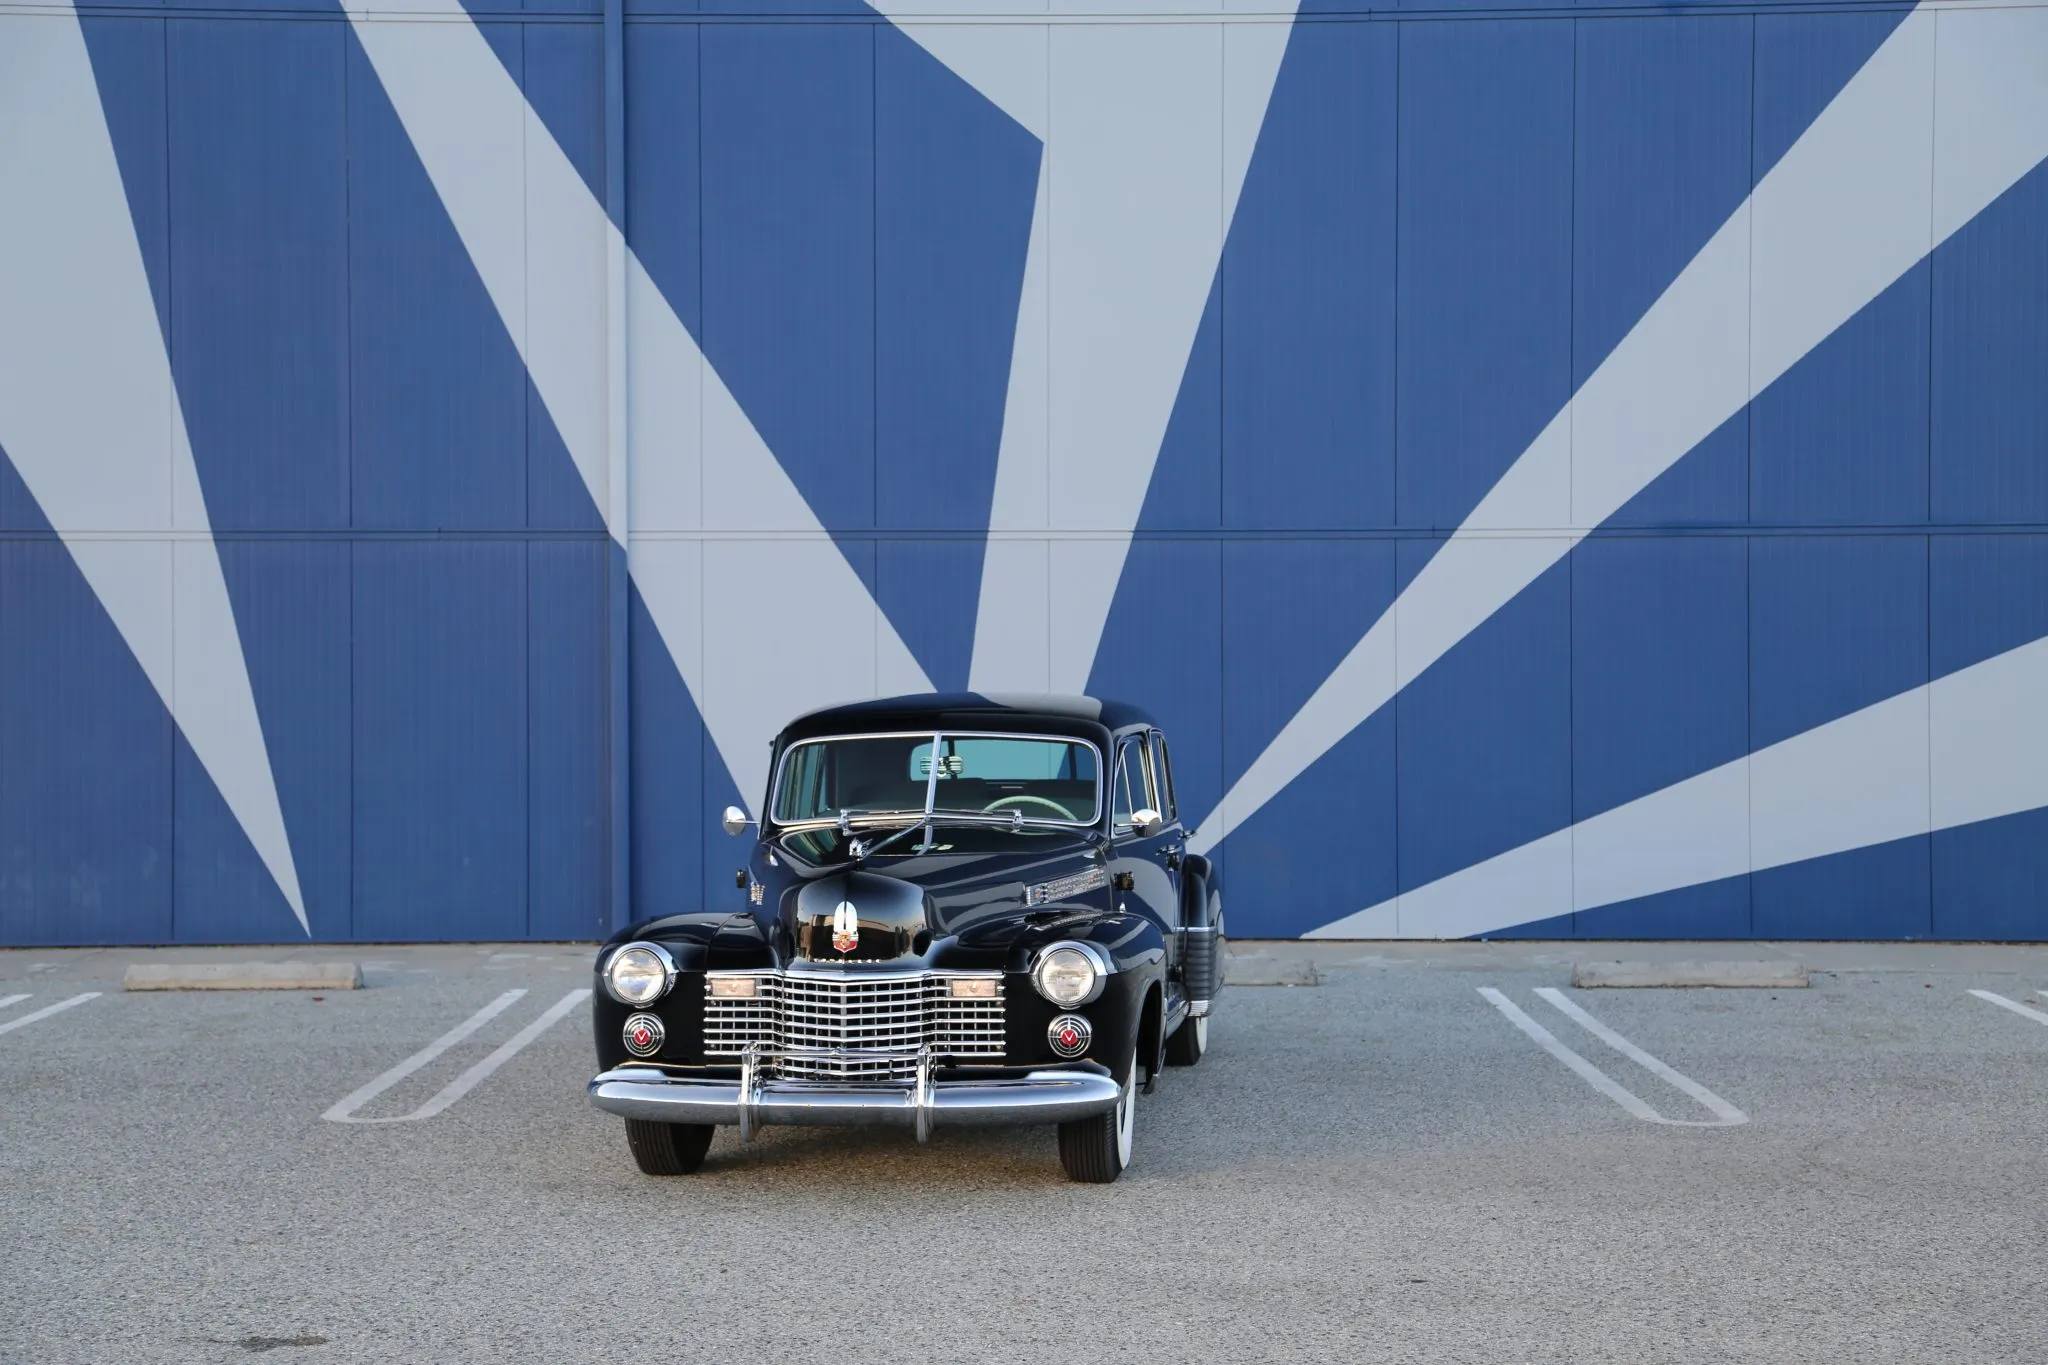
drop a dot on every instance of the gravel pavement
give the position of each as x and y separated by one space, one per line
1385 1166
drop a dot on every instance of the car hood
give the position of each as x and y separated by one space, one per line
898 909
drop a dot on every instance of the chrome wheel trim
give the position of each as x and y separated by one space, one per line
1126 1115
1202 1035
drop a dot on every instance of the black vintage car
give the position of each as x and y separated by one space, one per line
961 909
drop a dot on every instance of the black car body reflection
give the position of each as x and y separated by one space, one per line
959 910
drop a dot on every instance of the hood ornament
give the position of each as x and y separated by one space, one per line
845 927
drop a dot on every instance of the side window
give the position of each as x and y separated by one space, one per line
1133 780
1162 767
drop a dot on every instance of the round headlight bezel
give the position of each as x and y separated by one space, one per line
1058 958
661 962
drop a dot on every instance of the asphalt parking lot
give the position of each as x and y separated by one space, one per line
1390 1165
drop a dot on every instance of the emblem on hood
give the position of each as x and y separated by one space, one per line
845 927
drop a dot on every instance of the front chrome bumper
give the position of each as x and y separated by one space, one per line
1052 1095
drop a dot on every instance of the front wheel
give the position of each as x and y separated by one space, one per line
668 1148
1096 1150
1189 1043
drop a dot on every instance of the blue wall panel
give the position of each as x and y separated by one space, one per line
1802 61
1661 158
1308 294
438 410
1988 594
1291 610
1485 254
954 184
1841 439
1660 683
1158 646
1837 623
1879 892
1990 880
1990 341
789 248
677 793
85 764
568 888
929 590
1485 734
663 142
258 152
292 608
131 69
441 725
1660 664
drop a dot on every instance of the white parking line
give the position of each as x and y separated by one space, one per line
1726 1114
2015 1006
469 1079
46 1011
1721 1109
6 1000
344 1111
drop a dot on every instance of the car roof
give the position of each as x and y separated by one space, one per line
970 711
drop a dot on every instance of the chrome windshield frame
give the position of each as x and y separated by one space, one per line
930 811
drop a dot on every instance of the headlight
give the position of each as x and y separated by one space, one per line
1070 974
639 974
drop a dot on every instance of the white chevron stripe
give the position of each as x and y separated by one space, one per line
1132 211
702 475
1970 746
89 414
1928 132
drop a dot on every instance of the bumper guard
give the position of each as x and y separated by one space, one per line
1050 1095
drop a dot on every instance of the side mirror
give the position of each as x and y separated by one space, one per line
735 821
1147 822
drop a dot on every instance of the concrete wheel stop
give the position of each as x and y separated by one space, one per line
1772 975
243 976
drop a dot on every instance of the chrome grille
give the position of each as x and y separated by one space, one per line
816 1026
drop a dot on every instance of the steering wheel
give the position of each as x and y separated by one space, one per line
1026 798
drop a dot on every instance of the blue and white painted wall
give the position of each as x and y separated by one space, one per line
1591 466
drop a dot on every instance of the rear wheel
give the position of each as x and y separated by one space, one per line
1096 1150
668 1148
1189 1043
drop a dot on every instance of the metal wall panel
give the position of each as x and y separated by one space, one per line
438 411
259 266
292 606
85 763
441 717
1661 157
1837 623
567 883
1990 371
1308 294
1291 608
1485 737
789 250
1485 254
1660 684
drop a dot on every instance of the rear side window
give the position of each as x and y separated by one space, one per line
1162 767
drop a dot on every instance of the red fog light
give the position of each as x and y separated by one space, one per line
1069 1035
643 1035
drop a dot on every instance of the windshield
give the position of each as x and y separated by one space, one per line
1038 778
